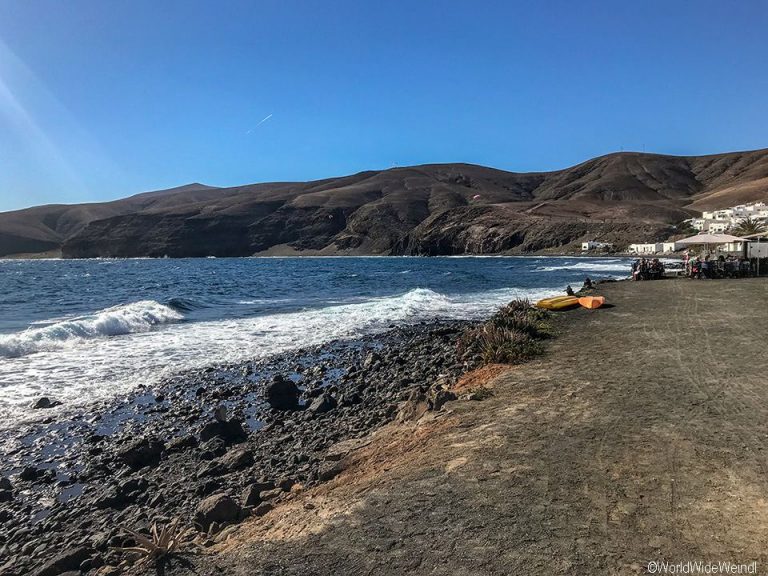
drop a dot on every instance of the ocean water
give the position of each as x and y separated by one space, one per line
80 331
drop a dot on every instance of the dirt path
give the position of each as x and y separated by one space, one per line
643 435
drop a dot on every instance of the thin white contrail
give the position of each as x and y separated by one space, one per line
260 123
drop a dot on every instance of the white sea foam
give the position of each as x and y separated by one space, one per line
85 359
119 320
610 266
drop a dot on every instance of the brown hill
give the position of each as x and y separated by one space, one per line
430 209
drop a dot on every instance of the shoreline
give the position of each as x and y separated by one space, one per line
112 312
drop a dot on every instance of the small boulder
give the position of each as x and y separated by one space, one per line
5 484
219 508
181 443
43 403
263 508
270 494
126 492
329 469
250 497
282 394
323 403
371 360
6 495
213 448
237 459
67 561
230 431
285 484
220 414
30 473
213 468
143 452
262 484
351 398
208 487
440 397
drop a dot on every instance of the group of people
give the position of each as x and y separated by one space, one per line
721 267
647 269
588 285
699 267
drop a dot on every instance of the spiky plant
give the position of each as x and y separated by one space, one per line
505 346
163 540
499 345
521 315
518 304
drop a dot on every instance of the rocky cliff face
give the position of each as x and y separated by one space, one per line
493 230
431 209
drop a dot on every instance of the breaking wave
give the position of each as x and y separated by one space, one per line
126 319
593 267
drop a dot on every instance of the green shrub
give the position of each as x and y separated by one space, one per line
510 336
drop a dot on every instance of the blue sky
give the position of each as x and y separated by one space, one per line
102 99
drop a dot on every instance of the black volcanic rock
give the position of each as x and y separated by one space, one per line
430 209
282 394
143 452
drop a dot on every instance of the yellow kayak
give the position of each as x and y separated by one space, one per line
558 302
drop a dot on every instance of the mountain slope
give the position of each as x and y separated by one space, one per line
429 209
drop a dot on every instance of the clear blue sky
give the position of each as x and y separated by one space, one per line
105 98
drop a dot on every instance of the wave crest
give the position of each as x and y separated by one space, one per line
126 319
617 266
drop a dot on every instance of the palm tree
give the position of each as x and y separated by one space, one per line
748 226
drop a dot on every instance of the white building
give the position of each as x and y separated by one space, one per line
646 248
593 245
718 214
717 221
698 223
669 247
718 227
712 226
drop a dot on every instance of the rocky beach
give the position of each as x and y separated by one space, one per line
212 446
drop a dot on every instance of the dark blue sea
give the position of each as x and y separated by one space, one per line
90 329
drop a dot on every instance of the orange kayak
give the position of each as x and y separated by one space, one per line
592 302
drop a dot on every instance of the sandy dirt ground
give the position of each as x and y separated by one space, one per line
641 436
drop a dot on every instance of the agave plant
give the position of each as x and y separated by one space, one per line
163 540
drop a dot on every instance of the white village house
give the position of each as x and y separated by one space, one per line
646 248
719 221
594 245
654 248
